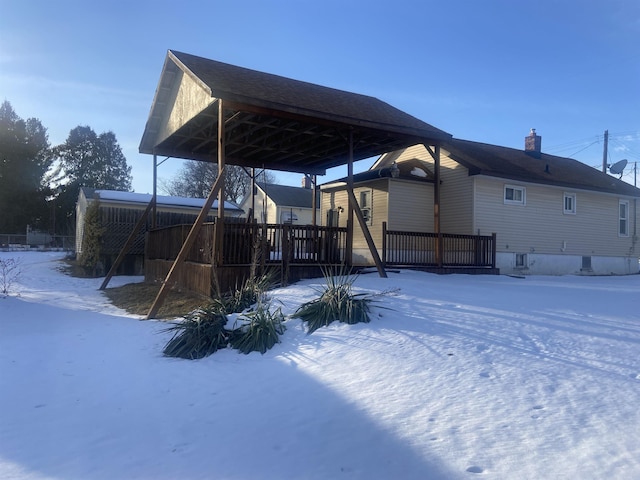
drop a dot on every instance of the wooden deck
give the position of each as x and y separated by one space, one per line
295 252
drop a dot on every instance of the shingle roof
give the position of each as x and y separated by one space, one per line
270 121
286 196
260 88
514 164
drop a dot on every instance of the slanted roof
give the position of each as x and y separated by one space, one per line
519 165
270 121
286 196
143 199
413 169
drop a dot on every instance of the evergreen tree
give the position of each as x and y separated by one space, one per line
24 161
92 238
89 160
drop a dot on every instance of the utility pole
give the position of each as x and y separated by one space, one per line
604 153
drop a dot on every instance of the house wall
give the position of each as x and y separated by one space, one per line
456 209
274 212
337 198
257 205
410 206
304 215
555 242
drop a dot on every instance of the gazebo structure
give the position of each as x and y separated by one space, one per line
215 112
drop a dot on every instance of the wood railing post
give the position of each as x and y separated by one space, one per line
384 244
166 285
493 250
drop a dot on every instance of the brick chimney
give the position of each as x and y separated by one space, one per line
533 143
306 182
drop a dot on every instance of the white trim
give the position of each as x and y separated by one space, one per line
626 218
515 188
565 210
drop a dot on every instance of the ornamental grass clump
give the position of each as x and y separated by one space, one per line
337 302
259 329
249 293
201 333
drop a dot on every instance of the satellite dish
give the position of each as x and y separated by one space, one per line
618 167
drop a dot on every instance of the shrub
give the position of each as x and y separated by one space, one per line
10 272
260 331
201 333
249 293
336 302
92 239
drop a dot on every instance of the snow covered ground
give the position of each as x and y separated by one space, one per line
459 377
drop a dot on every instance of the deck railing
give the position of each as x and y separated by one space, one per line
438 250
287 244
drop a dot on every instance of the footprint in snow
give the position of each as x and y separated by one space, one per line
537 407
475 469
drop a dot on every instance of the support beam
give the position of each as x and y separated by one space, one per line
154 218
436 201
188 243
127 245
218 252
314 200
353 206
348 257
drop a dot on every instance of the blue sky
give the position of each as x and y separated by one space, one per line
487 71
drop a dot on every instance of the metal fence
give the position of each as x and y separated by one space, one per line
23 242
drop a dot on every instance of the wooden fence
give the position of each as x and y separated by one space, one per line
272 243
437 250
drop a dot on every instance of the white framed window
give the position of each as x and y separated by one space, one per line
366 205
623 218
514 195
569 203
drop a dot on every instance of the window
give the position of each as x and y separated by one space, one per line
514 195
623 223
365 205
521 260
586 263
570 203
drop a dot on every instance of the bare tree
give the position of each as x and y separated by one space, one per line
196 178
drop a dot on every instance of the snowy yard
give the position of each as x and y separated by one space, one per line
459 377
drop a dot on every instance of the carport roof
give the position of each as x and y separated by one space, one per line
270 121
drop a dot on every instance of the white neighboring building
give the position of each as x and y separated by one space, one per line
282 204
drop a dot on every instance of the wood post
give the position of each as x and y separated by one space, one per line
384 243
436 201
188 243
219 229
353 206
128 244
349 253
